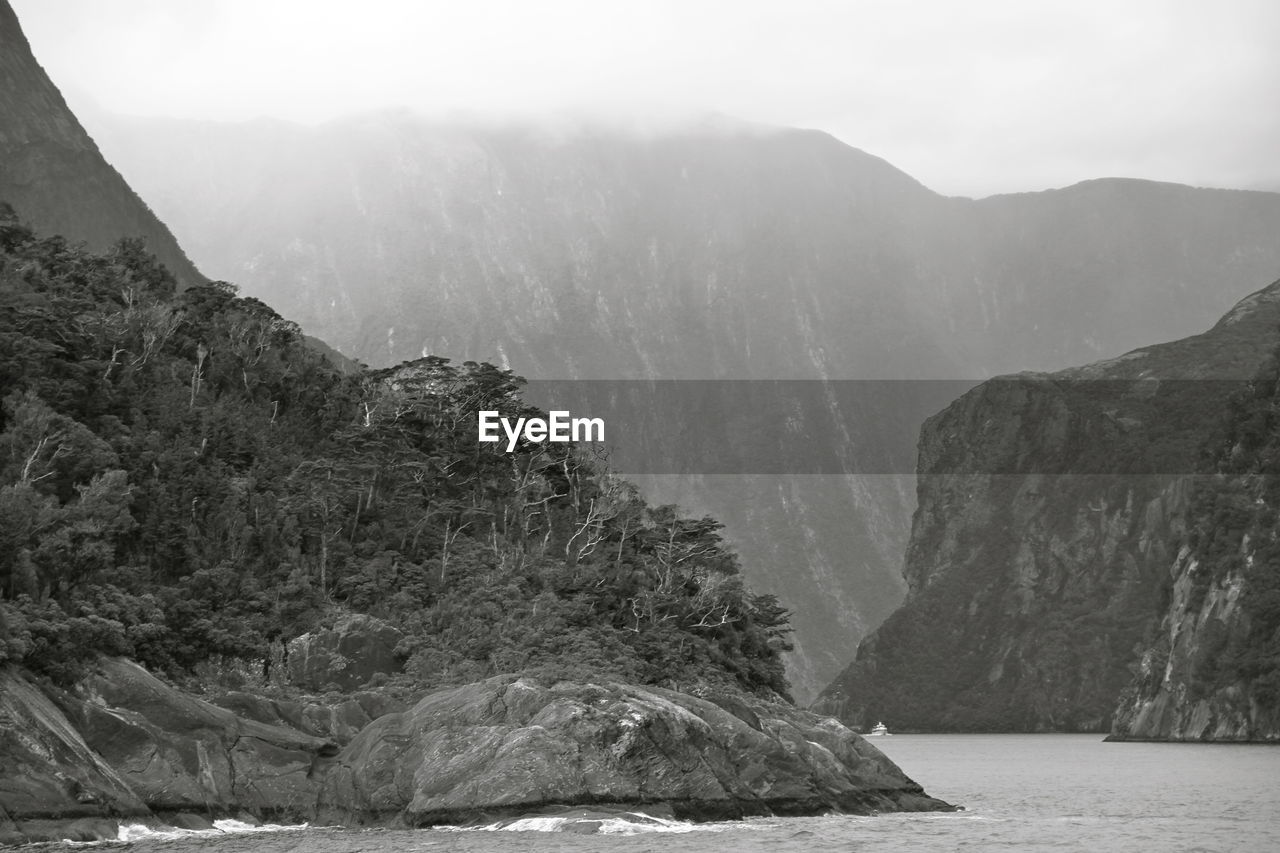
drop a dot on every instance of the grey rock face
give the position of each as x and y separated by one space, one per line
1167 699
124 745
47 771
339 722
354 650
1051 510
509 745
180 753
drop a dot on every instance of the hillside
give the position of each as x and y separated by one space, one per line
186 480
1213 670
318 555
712 250
1052 510
53 174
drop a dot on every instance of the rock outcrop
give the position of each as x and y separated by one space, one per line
510 745
181 753
1051 509
339 721
51 781
123 746
346 656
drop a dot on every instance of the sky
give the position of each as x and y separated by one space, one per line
971 98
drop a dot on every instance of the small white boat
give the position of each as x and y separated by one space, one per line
879 730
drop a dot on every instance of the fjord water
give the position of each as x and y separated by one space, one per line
1020 792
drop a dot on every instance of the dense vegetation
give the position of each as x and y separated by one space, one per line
1234 524
183 479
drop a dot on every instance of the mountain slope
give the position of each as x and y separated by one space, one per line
1213 671
53 174
1051 508
718 250
713 250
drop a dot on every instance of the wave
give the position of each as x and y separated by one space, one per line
623 823
131 832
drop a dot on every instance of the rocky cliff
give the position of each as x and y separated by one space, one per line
510 745
53 174
124 747
1213 670
712 250
1051 510
1190 685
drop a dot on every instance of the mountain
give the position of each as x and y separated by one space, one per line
1213 670
53 174
712 250
1053 509
187 482
709 250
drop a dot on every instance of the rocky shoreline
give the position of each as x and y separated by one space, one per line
124 747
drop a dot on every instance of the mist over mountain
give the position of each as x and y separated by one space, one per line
714 250
53 174
752 248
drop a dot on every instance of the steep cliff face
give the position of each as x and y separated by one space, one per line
706 251
1184 689
53 174
1051 508
1213 671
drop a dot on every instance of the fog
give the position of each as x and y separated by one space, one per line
970 98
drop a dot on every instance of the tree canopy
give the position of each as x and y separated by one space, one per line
183 478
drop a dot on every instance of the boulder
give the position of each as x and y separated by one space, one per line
511 745
354 650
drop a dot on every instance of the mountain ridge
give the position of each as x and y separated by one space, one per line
703 253
53 173
1051 510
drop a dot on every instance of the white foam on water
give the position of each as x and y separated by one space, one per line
625 826
527 824
630 823
229 825
131 832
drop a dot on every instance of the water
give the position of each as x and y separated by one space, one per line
1021 793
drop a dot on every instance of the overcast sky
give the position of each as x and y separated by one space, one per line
971 97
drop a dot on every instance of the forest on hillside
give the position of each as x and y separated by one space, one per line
186 480
1234 540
